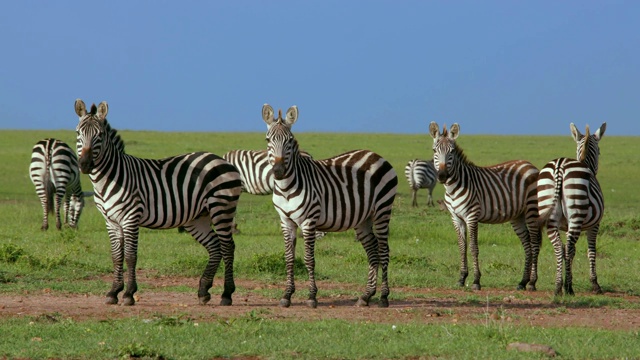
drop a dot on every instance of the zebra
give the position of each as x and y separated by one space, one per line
420 174
54 172
256 172
354 190
194 190
570 199
493 194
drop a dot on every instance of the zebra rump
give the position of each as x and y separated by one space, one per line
420 174
55 175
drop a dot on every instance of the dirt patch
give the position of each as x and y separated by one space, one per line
425 306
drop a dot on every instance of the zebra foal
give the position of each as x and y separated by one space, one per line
420 174
570 199
194 190
55 175
354 190
493 195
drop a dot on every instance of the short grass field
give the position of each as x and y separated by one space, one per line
424 254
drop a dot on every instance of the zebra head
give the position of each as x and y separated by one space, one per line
444 145
281 145
90 132
588 149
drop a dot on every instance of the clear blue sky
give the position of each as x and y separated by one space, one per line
495 67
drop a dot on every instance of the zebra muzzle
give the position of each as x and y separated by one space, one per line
85 162
279 169
443 175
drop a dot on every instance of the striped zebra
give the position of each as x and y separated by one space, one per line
493 195
194 190
54 172
354 190
420 174
570 199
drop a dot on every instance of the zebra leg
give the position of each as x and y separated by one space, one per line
591 253
430 198
570 253
131 258
117 257
289 233
67 209
475 251
535 234
461 231
520 227
45 212
370 244
383 254
201 231
60 192
414 197
224 230
558 250
309 234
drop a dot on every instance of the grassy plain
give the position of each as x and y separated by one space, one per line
423 246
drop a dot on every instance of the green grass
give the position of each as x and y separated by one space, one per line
423 245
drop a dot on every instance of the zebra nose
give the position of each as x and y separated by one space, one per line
443 175
85 161
278 169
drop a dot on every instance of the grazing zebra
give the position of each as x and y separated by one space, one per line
570 199
354 190
421 174
54 172
493 195
194 190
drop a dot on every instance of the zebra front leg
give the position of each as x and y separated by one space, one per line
289 233
131 258
591 253
310 263
370 245
117 257
475 252
462 247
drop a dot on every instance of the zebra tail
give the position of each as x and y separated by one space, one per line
558 175
49 187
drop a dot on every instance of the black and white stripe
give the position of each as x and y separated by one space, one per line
420 174
194 190
54 172
493 195
254 168
354 190
570 199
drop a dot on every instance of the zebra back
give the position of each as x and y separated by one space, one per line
54 172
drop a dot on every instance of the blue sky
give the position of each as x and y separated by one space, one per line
495 67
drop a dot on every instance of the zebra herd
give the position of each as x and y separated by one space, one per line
199 192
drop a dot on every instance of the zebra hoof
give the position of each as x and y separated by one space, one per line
362 302
312 303
531 287
520 287
111 300
597 290
285 303
203 300
225 301
128 301
384 303
475 287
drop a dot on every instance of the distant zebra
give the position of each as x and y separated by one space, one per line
493 195
194 190
354 190
54 173
570 199
420 174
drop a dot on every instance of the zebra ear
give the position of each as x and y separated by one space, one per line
454 131
600 132
434 130
292 115
81 108
267 114
103 109
575 133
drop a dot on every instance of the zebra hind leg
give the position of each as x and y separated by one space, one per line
200 229
370 245
591 252
225 227
520 228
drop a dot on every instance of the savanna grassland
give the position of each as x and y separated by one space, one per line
52 283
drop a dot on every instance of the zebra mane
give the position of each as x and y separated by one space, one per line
113 136
461 155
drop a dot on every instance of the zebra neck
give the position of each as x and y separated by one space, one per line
294 178
107 167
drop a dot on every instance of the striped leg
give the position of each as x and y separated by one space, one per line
289 232
461 230
520 227
310 263
130 233
383 253
200 229
591 253
475 251
365 235
44 200
117 257
60 192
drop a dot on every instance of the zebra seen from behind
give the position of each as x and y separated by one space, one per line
354 190
493 195
421 174
570 199
195 190
55 175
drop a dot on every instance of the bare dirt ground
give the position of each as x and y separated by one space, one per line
428 306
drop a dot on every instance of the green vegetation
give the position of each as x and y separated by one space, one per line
424 254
